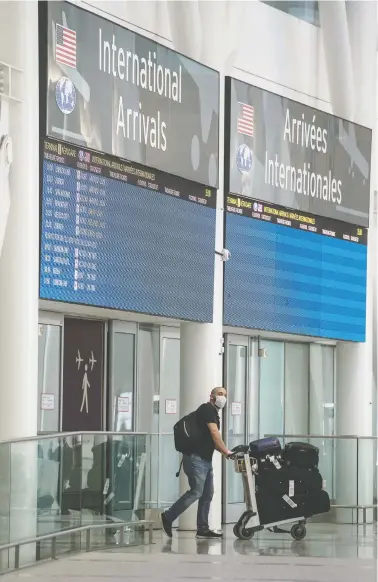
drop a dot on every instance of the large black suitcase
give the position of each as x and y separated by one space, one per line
313 503
275 508
301 455
317 503
288 479
263 447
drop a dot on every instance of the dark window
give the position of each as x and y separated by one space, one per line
307 10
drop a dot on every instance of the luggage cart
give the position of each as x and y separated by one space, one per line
249 522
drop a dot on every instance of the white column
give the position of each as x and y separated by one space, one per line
19 259
19 269
199 374
349 35
338 57
201 362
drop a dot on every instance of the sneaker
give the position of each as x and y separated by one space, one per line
167 526
208 535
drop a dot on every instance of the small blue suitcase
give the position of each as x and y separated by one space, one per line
262 448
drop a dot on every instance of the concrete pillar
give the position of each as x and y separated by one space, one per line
199 373
338 57
201 362
349 36
19 259
19 275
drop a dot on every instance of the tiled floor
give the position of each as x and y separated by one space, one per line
329 554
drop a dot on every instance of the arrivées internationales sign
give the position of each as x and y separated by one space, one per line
286 153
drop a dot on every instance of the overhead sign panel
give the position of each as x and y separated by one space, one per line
111 90
283 152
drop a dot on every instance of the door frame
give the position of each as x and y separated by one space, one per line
130 328
232 512
57 319
166 332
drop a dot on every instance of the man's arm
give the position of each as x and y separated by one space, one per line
218 441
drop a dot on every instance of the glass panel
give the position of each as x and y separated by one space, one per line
236 387
59 483
307 10
322 405
49 377
5 495
253 392
148 379
297 361
272 388
366 471
169 462
148 400
169 414
122 381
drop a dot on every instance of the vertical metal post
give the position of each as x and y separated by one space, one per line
88 540
16 557
358 479
150 532
53 548
122 536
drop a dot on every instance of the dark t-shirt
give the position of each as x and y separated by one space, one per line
206 414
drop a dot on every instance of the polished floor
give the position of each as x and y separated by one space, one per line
329 554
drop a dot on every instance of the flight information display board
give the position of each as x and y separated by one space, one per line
294 272
120 236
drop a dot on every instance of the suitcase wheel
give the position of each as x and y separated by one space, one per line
298 531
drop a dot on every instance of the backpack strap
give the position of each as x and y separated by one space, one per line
179 471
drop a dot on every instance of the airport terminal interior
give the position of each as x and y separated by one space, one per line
188 201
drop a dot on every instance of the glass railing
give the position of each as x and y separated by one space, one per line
54 483
349 465
163 463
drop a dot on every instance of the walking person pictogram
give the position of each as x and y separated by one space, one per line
84 386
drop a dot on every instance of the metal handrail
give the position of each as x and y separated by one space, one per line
317 436
323 436
87 528
70 434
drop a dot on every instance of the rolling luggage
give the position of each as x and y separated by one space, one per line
276 508
265 447
301 455
288 480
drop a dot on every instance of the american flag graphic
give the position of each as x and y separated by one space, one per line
65 46
245 119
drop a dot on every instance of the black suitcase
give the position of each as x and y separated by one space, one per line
263 447
313 503
288 479
301 455
273 508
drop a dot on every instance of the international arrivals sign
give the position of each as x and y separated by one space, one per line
283 152
114 91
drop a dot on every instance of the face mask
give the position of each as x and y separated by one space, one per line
220 401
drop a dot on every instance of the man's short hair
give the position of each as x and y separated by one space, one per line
215 390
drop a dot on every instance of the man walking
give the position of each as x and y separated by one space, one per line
199 469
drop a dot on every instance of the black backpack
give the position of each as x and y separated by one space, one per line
187 434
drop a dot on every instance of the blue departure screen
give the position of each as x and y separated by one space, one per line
120 236
294 273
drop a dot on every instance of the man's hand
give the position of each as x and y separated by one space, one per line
218 441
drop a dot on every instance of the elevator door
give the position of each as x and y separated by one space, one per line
241 416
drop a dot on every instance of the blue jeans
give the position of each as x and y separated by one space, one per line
201 483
